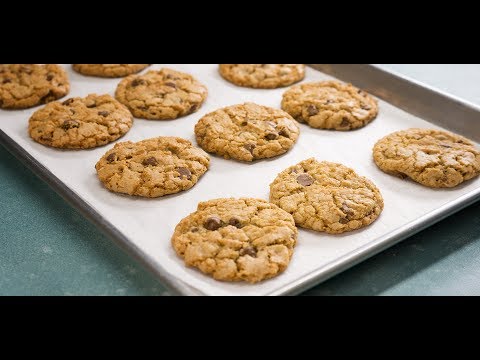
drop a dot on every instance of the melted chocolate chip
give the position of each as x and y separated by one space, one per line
150 161
111 157
213 223
235 222
49 77
103 113
271 136
250 147
284 133
343 221
305 180
6 81
345 122
137 82
171 84
70 124
248 251
68 101
184 172
312 110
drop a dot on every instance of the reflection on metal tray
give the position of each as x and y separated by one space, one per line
143 227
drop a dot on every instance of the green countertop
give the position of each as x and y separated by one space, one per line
48 248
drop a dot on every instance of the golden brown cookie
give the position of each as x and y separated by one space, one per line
26 85
108 70
237 239
153 167
330 105
80 123
247 132
161 95
434 158
262 76
325 196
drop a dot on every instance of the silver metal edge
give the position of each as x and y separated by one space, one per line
176 286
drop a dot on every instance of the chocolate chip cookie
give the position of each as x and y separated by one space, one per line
434 158
153 167
236 239
108 70
247 132
330 105
26 85
262 76
161 95
80 123
325 196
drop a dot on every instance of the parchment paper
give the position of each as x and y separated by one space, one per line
149 223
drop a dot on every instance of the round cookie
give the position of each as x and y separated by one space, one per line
325 196
153 167
80 123
237 239
434 158
247 132
161 95
27 85
330 105
262 76
108 70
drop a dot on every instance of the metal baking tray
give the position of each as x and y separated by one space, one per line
142 227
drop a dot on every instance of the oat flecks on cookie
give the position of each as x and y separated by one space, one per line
325 196
26 85
262 76
330 105
153 167
108 70
236 239
247 132
80 123
434 158
161 94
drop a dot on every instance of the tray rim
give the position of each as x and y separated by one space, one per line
178 287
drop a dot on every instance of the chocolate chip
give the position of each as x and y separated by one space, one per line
111 157
68 101
49 77
184 172
244 123
235 222
193 108
72 111
103 113
47 98
284 133
150 161
248 251
365 107
171 84
250 147
345 122
271 136
312 110
6 81
194 230
305 179
343 221
137 82
328 102
213 223
92 105
70 124
445 145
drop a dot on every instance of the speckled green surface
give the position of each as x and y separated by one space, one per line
48 248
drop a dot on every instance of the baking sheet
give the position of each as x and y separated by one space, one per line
149 223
